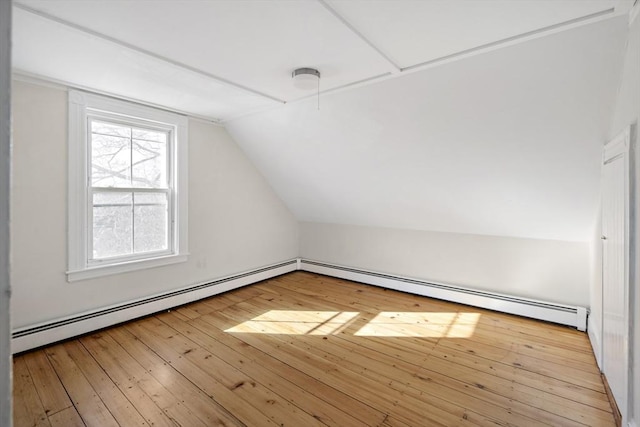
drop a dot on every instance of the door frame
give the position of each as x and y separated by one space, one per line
620 147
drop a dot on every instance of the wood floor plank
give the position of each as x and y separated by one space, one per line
522 325
597 400
120 407
362 387
568 422
509 356
152 402
52 394
551 388
232 391
84 397
585 412
533 354
68 417
505 386
233 384
363 412
304 349
544 367
391 421
28 410
283 380
374 363
194 398
160 383
385 300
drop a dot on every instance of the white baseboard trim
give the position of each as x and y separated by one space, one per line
563 314
34 336
594 338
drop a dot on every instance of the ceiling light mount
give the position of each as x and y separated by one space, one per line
307 78
305 74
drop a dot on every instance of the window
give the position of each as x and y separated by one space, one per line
127 186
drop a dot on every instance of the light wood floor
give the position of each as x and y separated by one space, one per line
307 350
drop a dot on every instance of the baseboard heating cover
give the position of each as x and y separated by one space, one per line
33 336
550 312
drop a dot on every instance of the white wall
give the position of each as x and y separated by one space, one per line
547 270
5 174
236 221
626 112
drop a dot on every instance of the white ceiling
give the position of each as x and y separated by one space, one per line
222 59
481 117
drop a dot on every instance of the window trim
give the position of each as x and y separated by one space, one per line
82 106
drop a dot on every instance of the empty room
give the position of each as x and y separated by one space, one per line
303 213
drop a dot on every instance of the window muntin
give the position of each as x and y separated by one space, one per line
129 191
126 156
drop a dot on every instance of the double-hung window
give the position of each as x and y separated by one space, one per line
127 186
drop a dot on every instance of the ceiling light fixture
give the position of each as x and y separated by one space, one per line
307 78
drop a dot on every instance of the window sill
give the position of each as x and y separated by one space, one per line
123 267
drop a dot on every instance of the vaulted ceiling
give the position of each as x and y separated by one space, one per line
479 117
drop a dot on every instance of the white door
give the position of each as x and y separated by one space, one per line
615 269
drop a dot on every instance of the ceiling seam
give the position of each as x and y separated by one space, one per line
344 86
354 30
322 92
145 52
507 40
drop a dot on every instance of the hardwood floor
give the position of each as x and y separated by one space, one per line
306 350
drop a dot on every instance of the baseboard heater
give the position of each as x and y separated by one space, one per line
34 336
551 312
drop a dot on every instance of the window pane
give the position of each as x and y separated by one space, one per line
110 155
149 164
150 222
110 129
149 135
112 224
110 159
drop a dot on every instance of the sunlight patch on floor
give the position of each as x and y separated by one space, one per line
421 324
297 322
384 324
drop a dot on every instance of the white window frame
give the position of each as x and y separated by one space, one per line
83 107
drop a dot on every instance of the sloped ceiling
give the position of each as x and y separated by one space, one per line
479 117
504 143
